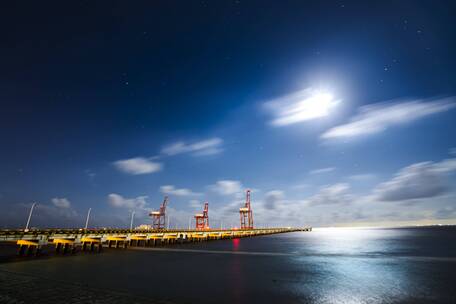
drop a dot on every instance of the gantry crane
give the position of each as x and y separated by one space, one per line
202 219
159 217
246 213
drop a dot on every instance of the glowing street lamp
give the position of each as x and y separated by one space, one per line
132 217
29 217
87 219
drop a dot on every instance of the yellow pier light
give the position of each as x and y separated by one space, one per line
27 243
91 242
62 241
170 237
227 235
215 235
67 239
198 237
154 237
26 247
65 244
116 240
137 239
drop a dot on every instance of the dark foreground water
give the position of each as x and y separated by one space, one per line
416 265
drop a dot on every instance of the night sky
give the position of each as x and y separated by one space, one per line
332 112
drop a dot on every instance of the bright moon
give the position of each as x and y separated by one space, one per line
318 105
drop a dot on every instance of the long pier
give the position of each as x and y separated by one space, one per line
69 240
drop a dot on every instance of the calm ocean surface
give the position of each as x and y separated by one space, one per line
416 265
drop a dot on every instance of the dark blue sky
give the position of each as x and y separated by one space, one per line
333 112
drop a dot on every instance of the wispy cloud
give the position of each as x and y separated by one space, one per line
362 177
446 213
57 214
273 198
118 201
227 187
417 181
322 170
61 202
138 165
172 190
205 147
195 204
334 194
378 117
301 106
147 165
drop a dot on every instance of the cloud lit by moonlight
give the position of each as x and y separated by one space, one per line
302 106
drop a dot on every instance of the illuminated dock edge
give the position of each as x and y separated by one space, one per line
69 240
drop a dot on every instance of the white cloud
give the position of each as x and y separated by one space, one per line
322 170
196 204
179 218
172 190
138 165
205 147
61 202
273 198
227 187
417 181
57 214
334 194
378 117
119 201
446 213
445 166
301 106
231 209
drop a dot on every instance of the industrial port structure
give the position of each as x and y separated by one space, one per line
159 217
246 213
69 240
202 219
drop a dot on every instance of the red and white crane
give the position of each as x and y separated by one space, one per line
246 213
159 217
202 219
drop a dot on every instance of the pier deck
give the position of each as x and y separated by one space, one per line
66 240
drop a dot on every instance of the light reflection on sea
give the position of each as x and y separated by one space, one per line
324 266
